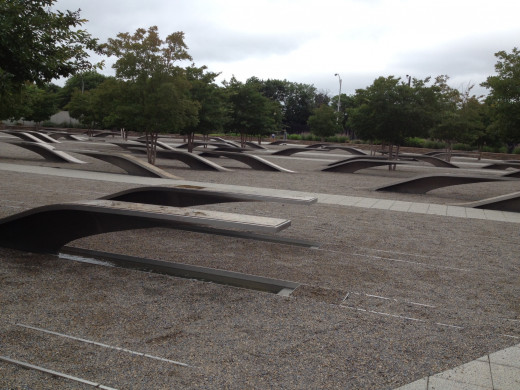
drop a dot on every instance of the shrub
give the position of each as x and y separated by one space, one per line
414 142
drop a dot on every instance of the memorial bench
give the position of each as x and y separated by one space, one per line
351 166
47 151
31 230
187 196
253 161
425 183
129 163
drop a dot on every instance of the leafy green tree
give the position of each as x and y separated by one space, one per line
504 97
40 103
36 46
156 90
461 120
83 81
214 112
390 110
324 122
251 112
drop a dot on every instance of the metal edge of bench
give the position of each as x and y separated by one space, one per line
214 275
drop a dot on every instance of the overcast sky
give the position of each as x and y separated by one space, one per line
309 41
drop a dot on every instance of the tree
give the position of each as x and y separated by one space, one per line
38 45
40 103
214 112
156 89
324 122
390 110
504 96
83 81
251 112
461 119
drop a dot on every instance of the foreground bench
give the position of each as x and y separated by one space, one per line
46 229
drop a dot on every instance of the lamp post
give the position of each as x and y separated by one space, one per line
339 96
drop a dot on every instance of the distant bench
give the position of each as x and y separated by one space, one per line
192 160
351 166
425 183
129 163
47 151
253 161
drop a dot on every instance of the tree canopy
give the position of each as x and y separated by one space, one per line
504 96
38 45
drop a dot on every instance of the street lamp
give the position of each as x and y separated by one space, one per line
339 96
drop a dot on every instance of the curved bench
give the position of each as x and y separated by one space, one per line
46 151
425 183
435 161
192 160
291 151
347 149
253 161
188 196
130 164
30 230
43 137
507 202
502 165
357 164
22 135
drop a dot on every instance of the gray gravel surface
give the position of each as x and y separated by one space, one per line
387 297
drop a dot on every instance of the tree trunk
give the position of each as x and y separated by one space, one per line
191 138
151 146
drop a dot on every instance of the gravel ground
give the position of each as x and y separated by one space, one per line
386 298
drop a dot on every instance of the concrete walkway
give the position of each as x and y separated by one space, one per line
497 371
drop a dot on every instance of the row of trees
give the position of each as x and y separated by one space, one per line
154 91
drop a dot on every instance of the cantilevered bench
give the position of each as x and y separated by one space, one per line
291 151
435 161
507 202
255 145
43 137
502 165
253 161
351 166
182 196
71 137
48 228
347 149
453 154
129 163
22 135
46 151
225 141
192 160
425 183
